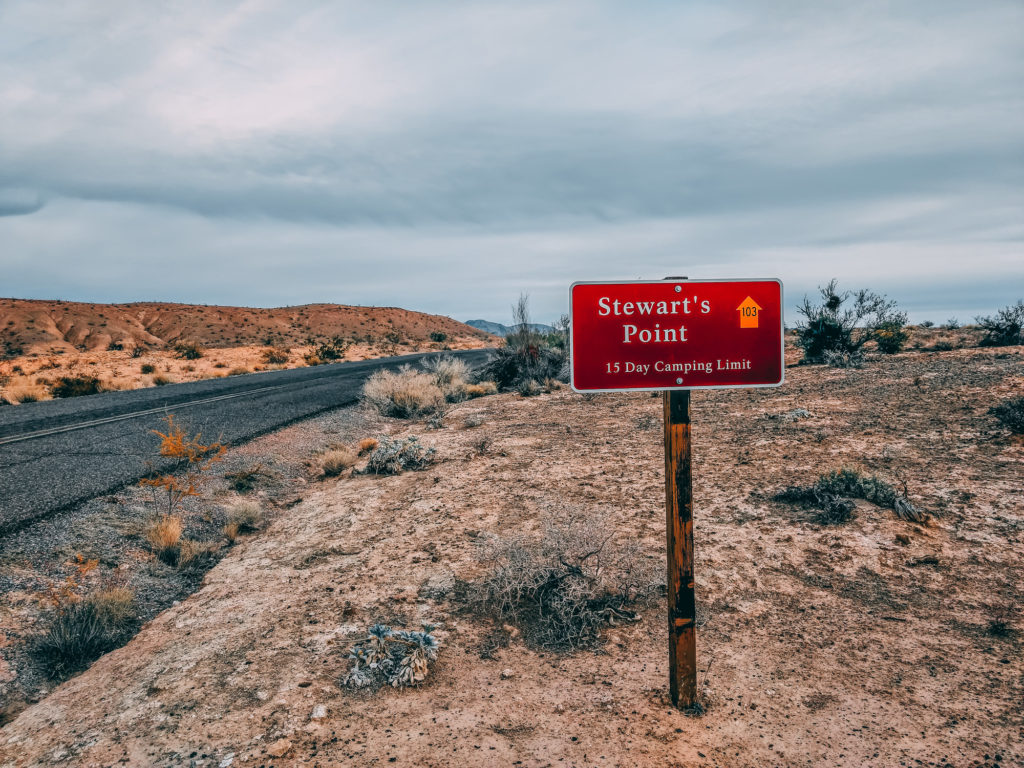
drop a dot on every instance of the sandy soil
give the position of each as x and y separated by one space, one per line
863 644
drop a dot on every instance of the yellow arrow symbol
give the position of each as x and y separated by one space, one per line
749 311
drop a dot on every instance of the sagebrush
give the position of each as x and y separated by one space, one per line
561 588
391 456
844 322
832 492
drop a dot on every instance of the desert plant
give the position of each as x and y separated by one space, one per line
81 631
526 353
164 537
562 589
337 459
392 456
528 388
246 515
926 324
836 326
244 480
399 658
473 420
24 395
1004 328
890 337
438 336
187 458
326 351
276 355
231 532
404 394
188 350
366 445
239 371
160 380
449 374
147 368
75 386
198 555
481 389
952 324
1010 414
136 352
831 495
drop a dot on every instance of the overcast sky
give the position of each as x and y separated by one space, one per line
446 156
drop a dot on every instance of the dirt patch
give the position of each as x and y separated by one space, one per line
867 643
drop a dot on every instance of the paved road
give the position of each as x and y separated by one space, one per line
58 453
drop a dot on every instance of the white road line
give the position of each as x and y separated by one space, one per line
134 415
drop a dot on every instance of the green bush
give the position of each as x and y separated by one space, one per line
1010 414
527 354
840 326
438 336
188 350
1004 328
75 386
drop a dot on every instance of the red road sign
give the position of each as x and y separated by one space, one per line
676 334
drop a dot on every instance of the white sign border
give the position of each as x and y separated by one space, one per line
782 323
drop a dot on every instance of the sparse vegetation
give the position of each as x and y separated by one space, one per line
75 386
147 368
327 351
188 458
276 355
244 480
528 355
392 456
337 459
24 395
160 381
164 537
246 516
188 350
561 590
449 374
842 327
386 656
1005 328
405 394
831 495
366 445
438 336
1010 414
81 631
198 555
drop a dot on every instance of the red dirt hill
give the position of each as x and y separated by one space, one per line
41 326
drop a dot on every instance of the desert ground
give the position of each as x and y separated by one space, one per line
871 642
130 346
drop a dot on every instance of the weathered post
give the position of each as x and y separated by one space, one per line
682 606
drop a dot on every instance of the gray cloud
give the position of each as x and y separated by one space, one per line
445 157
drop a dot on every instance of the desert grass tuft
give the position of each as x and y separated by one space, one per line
337 459
164 537
246 515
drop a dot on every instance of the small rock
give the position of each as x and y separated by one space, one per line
319 712
559 708
279 748
507 673
227 761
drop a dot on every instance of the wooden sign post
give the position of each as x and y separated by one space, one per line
673 336
682 603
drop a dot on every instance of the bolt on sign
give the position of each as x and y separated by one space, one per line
676 335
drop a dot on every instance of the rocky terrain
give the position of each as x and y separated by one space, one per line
874 641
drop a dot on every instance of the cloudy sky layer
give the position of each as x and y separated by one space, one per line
447 156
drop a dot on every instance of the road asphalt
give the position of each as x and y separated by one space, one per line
58 453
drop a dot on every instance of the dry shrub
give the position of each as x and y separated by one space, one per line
164 537
147 368
399 658
231 532
449 374
244 480
80 632
366 445
276 355
160 380
404 394
246 515
391 456
832 492
336 460
25 395
188 350
198 555
240 371
560 590
75 386
1010 414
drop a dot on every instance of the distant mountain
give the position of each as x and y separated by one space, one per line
504 330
